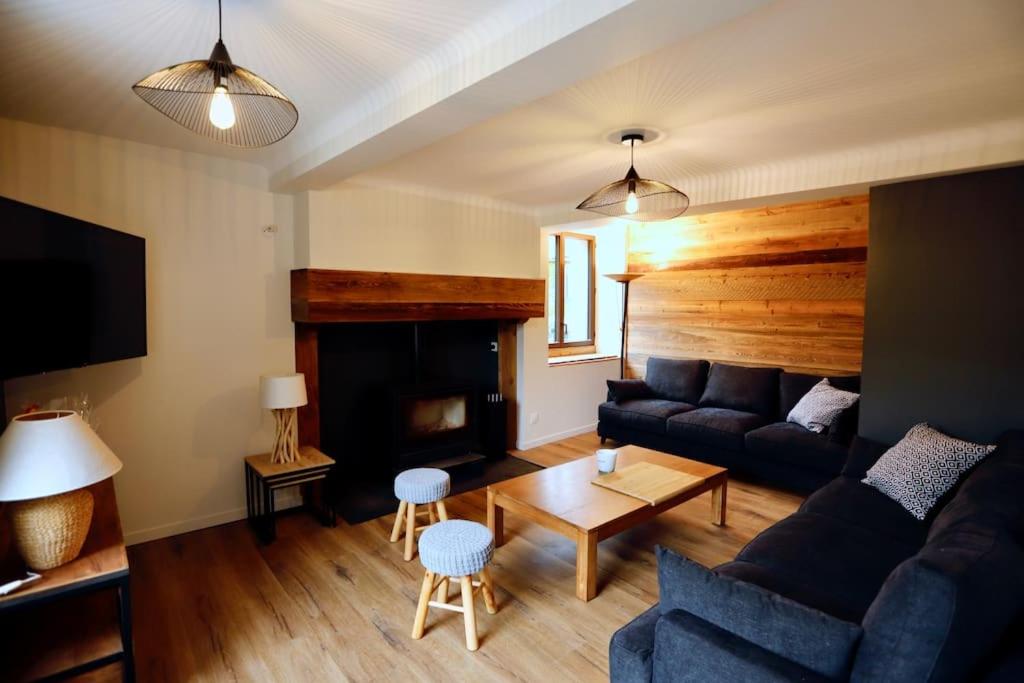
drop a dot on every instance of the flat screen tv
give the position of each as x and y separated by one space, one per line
72 293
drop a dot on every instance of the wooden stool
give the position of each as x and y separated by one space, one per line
421 486
455 551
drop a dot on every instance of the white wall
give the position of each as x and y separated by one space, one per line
561 400
356 227
181 418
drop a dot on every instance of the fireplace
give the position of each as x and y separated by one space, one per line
432 423
383 352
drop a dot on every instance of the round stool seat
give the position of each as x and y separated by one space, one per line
456 548
422 485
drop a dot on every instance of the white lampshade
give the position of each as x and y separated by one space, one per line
283 391
46 453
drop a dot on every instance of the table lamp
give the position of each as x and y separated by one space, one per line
282 394
46 461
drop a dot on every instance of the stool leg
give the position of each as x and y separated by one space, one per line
442 590
396 532
410 530
468 613
422 605
430 513
487 588
442 512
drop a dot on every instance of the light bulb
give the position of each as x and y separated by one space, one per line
632 204
222 112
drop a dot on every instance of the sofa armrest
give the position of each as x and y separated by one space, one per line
687 648
808 637
631 649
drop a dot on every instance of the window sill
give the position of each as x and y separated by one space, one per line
580 358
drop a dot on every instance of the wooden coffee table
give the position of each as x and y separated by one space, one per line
562 499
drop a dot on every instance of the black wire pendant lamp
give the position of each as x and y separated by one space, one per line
636 198
219 99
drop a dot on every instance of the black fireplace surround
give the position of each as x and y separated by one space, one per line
402 394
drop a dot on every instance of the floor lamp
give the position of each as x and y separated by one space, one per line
625 279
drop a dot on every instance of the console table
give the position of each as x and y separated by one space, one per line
78 617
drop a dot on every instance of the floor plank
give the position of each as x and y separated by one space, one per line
338 604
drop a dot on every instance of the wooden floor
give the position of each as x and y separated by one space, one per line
338 604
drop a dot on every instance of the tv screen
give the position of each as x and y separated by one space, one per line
73 293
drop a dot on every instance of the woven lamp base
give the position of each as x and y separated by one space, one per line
50 531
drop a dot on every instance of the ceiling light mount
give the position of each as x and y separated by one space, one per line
619 136
218 99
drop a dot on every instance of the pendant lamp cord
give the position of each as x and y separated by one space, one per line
220 22
632 143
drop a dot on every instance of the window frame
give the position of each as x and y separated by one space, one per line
557 347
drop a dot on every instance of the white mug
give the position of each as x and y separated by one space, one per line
606 460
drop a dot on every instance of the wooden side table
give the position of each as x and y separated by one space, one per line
78 617
263 478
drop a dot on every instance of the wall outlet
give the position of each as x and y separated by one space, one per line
534 418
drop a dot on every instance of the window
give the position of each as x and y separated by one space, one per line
570 291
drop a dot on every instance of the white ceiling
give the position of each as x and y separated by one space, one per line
792 79
71 63
512 99
372 79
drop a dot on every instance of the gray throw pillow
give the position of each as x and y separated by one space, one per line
820 406
926 463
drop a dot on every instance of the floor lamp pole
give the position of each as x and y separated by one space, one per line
625 279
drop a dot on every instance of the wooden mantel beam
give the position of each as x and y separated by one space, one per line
335 296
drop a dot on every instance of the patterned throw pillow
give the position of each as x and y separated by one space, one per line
821 406
922 466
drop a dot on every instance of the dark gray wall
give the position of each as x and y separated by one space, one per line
944 316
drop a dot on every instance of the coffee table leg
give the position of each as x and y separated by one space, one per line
586 565
718 504
495 519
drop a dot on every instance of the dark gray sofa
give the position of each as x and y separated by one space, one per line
730 416
851 587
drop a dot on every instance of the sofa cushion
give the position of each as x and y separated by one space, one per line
644 414
784 627
692 650
675 379
821 406
782 581
992 495
828 554
791 443
844 428
631 649
850 501
752 390
718 427
620 390
924 465
941 614
793 386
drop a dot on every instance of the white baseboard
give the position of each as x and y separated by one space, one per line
540 441
284 501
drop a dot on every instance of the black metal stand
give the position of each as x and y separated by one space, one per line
622 345
259 498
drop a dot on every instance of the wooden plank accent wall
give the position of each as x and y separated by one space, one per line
364 296
775 286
